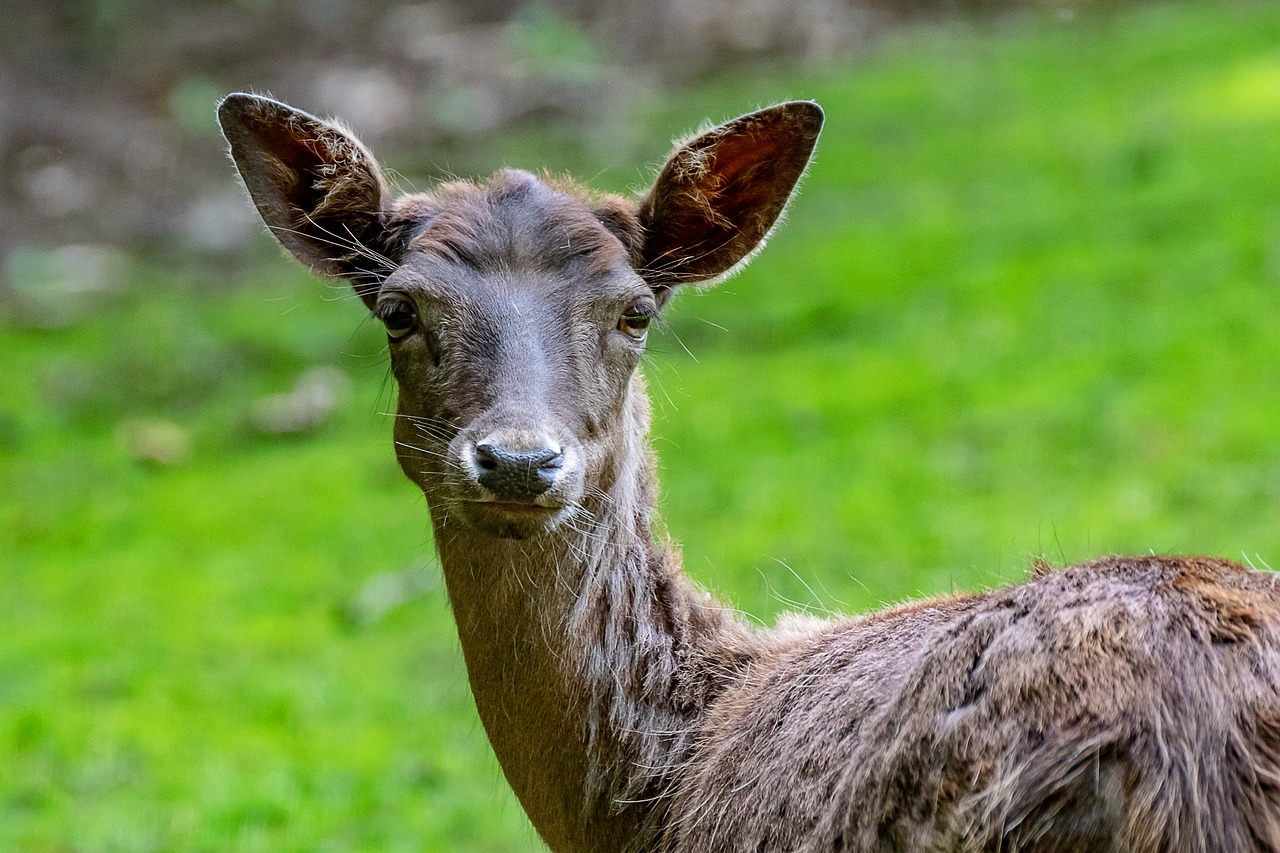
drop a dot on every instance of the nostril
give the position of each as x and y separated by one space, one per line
487 457
549 460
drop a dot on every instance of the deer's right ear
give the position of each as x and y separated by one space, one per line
316 186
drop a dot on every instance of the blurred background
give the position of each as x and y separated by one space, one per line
1025 306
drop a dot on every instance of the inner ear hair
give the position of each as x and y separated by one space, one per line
318 188
721 193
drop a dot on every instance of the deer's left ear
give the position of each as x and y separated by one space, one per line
316 186
721 193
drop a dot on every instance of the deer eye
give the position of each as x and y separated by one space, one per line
635 322
399 318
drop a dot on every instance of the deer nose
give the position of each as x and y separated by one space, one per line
517 474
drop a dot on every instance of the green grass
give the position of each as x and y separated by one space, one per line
1026 305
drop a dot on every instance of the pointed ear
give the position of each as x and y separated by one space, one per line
720 194
316 186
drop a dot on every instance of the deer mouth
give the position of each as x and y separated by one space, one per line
511 519
515 505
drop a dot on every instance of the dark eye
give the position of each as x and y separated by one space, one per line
635 321
399 318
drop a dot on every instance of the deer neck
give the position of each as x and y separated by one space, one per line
590 656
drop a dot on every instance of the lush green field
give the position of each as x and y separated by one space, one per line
1026 305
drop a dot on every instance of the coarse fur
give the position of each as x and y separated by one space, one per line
1126 704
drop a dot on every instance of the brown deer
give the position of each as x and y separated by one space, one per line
1127 704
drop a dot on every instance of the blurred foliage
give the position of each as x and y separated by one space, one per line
553 44
1024 305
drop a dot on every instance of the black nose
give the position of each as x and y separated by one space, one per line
518 474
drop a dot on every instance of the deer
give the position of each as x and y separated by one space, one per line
1128 703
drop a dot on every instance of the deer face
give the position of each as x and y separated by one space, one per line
515 321
516 312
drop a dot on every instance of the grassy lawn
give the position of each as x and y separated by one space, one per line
1025 305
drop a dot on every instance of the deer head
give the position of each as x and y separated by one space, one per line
517 308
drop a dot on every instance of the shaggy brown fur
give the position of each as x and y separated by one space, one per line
1125 704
